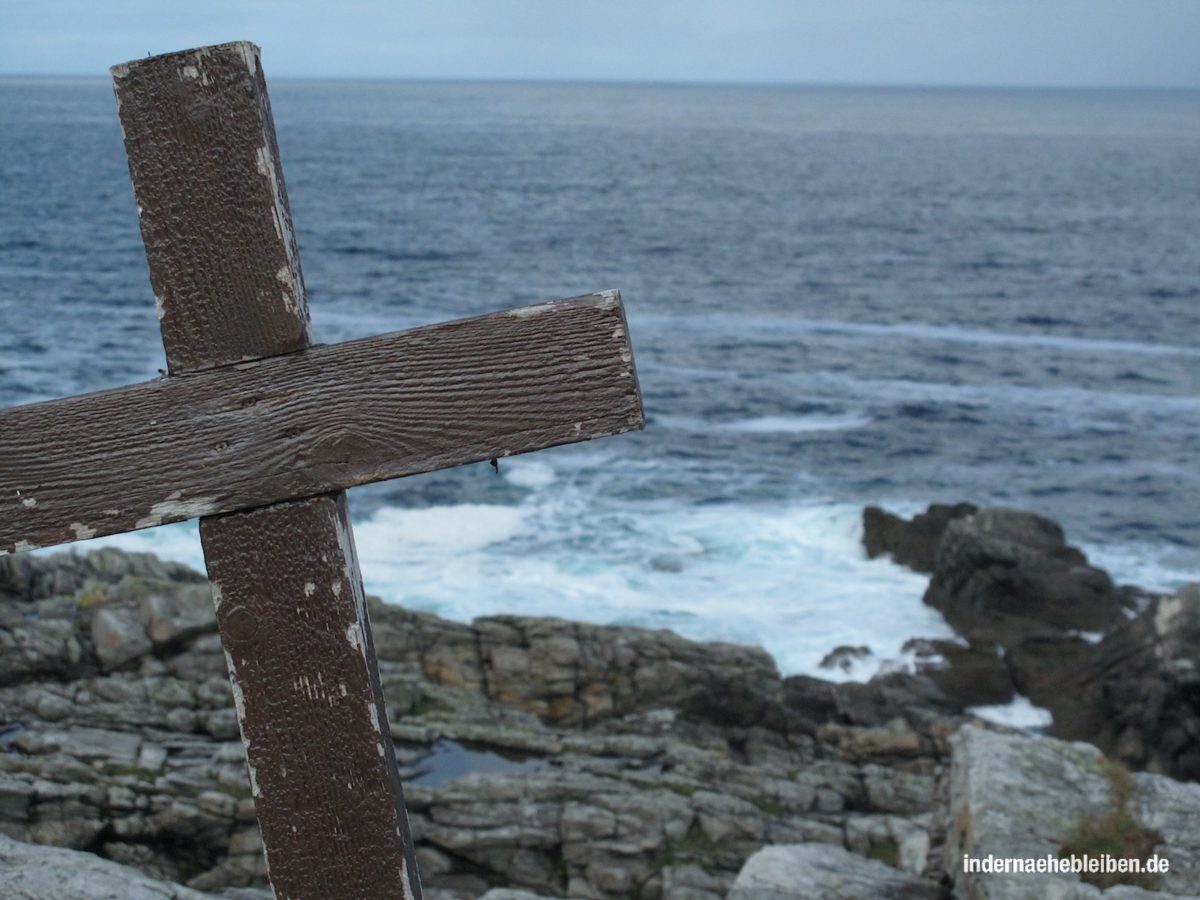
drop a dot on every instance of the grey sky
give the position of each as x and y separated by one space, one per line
1004 42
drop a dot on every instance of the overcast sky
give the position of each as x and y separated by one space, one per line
961 42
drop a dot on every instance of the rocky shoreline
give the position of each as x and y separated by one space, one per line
616 762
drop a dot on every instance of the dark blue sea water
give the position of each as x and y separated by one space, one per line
838 296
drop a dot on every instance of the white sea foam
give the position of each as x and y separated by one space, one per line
528 473
796 424
792 579
442 530
1153 567
774 424
1020 713
832 328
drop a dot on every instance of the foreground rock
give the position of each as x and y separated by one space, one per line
648 766
1014 796
34 872
821 872
609 762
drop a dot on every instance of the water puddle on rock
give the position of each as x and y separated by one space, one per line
450 759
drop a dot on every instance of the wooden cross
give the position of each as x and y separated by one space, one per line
259 432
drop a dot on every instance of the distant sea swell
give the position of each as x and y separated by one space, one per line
837 297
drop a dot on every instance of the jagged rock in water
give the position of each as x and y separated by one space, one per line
912 543
1003 574
1136 694
974 675
844 657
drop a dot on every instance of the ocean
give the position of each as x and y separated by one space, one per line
837 297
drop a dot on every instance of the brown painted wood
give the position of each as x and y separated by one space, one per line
225 272
212 206
251 415
316 421
298 643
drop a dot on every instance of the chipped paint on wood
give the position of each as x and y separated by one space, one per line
327 692
315 421
217 270
192 123
175 510
239 704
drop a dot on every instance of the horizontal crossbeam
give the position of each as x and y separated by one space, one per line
315 421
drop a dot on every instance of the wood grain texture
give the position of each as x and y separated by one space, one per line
212 205
227 279
315 421
297 639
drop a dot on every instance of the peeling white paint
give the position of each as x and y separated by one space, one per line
287 272
262 162
82 532
373 711
350 562
160 307
578 427
337 588
607 299
239 702
354 635
189 72
249 56
173 509
22 546
528 312
345 690
217 596
309 589
28 502
379 747
404 885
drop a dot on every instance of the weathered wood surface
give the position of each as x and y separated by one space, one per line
316 421
293 622
252 415
266 561
212 206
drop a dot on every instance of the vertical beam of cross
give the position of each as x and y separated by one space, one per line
227 281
